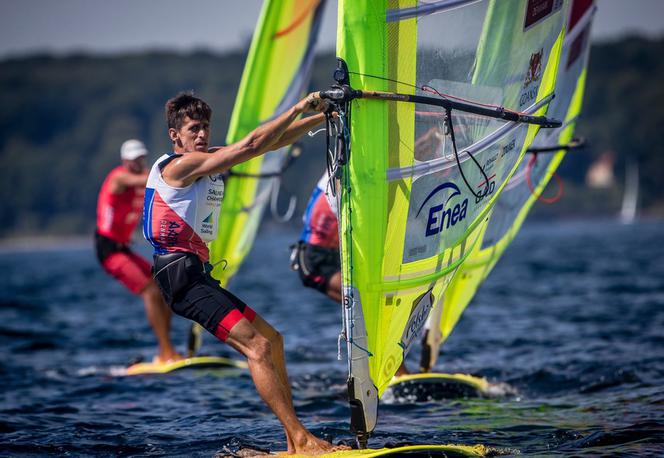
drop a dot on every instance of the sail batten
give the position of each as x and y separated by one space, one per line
424 9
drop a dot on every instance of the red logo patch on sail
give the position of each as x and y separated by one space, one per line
578 46
538 10
534 72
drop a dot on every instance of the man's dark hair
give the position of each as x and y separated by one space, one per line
185 104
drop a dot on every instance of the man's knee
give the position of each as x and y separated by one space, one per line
151 291
259 348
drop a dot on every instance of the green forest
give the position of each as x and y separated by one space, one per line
63 120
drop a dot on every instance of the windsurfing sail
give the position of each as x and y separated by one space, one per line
527 184
438 102
275 77
630 193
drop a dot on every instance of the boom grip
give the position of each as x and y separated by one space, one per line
541 120
332 94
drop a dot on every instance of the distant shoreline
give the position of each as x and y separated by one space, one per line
45 243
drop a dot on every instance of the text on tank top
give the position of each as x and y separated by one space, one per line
181 219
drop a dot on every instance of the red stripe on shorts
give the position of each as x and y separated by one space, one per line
249 313
226 324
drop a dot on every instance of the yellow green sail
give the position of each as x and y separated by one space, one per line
528 182
275 76
409 214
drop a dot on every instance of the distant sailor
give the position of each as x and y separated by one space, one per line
316 256
119 209
182 203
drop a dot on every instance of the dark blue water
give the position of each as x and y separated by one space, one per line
573 318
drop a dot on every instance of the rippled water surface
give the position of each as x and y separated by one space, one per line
573 318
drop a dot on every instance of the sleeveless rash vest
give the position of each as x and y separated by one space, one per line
118 214
320 220
181 219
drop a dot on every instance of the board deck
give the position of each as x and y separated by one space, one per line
432 386
196 362
412 451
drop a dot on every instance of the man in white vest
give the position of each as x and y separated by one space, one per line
181 214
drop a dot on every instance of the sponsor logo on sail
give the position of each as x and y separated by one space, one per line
418 317
445 214
538 10
534 72
533 75
485 190
507 148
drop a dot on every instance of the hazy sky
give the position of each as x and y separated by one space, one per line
64 26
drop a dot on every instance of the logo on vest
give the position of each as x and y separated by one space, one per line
168 232
207 225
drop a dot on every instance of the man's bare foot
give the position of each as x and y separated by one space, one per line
291 446
166 358
315 446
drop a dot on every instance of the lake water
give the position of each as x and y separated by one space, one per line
572 318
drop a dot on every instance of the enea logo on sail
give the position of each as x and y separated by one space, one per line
444 214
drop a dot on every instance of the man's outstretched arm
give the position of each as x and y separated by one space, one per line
297 129
261 140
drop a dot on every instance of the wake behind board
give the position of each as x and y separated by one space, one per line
411 451
433 386
196 362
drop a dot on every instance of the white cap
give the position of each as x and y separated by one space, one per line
132 149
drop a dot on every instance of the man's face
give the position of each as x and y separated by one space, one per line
136 165
194 135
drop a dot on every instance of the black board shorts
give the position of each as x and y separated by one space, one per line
192 293
317 265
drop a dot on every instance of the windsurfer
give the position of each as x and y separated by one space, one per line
315 257
182 204
119 208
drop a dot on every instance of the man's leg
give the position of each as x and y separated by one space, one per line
333 289
277 350
159 316
247 339
134 273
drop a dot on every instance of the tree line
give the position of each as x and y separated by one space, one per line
63 120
